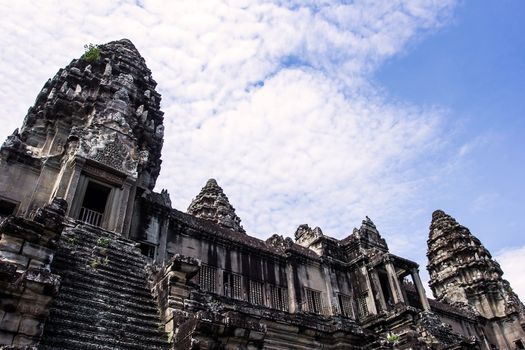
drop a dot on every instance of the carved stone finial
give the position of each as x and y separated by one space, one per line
212 204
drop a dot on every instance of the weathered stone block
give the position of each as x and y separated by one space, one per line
11 244
6 338
22 340
19 260
28 307
37 252
10 322
7 271
37 264
36 299
256 335
31 326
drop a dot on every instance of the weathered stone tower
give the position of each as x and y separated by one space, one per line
212 204
93 137
464 274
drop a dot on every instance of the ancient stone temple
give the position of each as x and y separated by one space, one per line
91 257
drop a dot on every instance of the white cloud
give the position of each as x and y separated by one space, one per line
271 98
512 263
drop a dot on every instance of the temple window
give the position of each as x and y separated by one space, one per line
278 298
232 285
256 293
94 203
313 301
362 307
207 278
148 250
345 305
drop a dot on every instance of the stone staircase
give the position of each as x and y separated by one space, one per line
104 300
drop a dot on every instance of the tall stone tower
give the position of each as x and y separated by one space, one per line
463 273
93 137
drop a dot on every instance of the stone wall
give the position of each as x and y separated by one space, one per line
27 286
199 320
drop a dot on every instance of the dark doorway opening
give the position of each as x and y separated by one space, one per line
385 286
94 204
519 344
6 208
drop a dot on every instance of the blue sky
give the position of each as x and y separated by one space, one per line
316 112
475 69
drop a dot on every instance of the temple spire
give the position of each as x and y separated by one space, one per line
462 271
212 204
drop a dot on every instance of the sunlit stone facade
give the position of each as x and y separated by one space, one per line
91 257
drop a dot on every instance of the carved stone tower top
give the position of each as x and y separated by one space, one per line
93 137
104 108
212 204
463 271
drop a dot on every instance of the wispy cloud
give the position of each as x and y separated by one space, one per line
271 98
511 261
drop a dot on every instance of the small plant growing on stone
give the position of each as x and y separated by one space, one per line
392 338
103 242
94 263
105 262
92 52
73 240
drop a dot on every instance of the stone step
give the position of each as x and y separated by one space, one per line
123 315
110 321
88 291
82 262
93 236
70 338
91 277
122 259
72 302
106 274
104 307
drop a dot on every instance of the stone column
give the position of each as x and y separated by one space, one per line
292 303
393 281
124 201
163 238
420 289
68 186
329 291
370 302
374 277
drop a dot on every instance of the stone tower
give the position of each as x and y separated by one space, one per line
93 137
463 273
212 204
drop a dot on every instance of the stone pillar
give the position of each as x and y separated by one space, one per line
292 302
374 277
329 292
163 238
420 289
170 288
67 188
393 281
122 211
370 302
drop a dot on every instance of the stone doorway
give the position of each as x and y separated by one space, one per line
94 203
